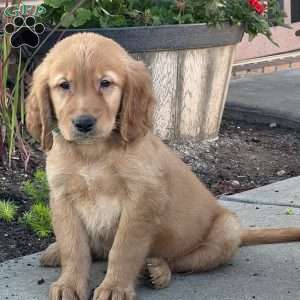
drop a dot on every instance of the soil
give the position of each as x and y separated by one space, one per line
244 157
16 239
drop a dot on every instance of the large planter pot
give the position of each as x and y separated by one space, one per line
190 66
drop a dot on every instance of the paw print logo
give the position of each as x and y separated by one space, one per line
24 32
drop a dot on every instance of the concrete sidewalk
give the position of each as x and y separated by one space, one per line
262 272
266 98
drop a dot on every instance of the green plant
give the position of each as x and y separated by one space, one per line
12 113
37 189
39 220
7 211
254 15
38 217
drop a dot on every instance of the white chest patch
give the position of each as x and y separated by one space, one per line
100 213
95 194
100 217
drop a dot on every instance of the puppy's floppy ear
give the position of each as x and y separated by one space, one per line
137 103
38 108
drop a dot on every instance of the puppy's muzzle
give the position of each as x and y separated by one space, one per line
84 123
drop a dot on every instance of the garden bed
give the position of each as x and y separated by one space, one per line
244 157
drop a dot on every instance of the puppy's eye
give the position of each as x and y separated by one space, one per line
65 85
105 83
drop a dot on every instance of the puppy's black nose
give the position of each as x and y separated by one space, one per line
84 123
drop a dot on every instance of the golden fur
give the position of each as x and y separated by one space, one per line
120 192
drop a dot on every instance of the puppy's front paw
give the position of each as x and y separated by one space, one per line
61 291
106 292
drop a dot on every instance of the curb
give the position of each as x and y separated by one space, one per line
250 114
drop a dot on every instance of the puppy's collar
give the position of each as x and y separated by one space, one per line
56 131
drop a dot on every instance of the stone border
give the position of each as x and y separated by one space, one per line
262 116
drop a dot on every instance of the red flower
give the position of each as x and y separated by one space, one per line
252 2
258 6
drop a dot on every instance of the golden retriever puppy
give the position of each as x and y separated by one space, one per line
117 191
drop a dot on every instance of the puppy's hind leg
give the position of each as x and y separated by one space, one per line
51 256
159 272
220 245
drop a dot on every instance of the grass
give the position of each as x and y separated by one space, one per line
39 220
37 189
8 211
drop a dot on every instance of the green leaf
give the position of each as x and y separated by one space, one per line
251 36
96 13
37 189
119 21
188 18
67 19
54 3
68 6
117 13
82 16
272 41
105 11
39 219
7 211
156 20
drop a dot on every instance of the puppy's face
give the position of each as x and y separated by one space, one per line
86 94
85 85
90 86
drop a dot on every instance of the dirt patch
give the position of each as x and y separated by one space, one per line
244 157
15 238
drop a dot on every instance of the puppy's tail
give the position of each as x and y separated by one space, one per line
269 236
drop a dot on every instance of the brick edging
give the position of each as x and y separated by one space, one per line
265 67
